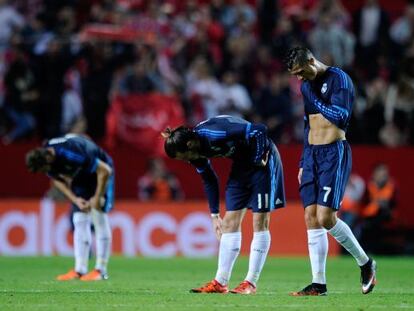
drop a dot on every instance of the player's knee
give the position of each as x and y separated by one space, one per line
311 220
261 222
326 220
230 225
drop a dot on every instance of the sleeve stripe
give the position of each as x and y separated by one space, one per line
342 76
337 115
249 125
342 110
211 133
94 165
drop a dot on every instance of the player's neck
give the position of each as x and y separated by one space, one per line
321 68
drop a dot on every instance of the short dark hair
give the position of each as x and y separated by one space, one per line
297 55
176 140
36 159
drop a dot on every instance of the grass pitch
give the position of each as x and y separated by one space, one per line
163 284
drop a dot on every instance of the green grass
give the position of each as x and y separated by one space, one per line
163 284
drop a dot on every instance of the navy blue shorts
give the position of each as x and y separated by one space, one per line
258 188
85 187
326 169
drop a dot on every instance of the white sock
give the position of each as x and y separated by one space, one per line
318 250
343 234
82 238
258 252
103 239
230 244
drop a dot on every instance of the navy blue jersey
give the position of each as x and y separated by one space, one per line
75 156
232 137
330 94
229 137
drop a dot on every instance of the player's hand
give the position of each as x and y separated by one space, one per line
82 204
300 175
217 226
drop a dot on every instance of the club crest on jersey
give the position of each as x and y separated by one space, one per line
324 88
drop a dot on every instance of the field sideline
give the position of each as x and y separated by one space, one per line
163 284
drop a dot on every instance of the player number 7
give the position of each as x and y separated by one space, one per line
328 191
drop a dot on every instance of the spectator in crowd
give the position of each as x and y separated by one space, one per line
137 80
236 101
10 22
22 98
51 67
241 11
73 120
399 112
285 36
267 16
261 68
371 27
239 50
351 203
381 192
335 9
158 184
204 89
332 44
181 48
402 29
96 78
273 106
36 35
373 115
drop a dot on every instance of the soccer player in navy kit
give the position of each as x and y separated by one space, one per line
324 169
255 182
85 175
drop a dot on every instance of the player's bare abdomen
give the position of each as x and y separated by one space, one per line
322 131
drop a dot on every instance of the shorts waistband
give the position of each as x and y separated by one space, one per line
335 143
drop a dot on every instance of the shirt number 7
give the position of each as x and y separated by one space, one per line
328 191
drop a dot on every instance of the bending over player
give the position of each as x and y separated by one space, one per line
85 175
255 182
325 166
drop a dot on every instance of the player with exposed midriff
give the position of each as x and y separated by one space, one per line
325 165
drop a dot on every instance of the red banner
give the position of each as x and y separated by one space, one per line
139 119
30 228
111 32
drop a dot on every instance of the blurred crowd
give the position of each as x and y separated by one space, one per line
369 209
62 62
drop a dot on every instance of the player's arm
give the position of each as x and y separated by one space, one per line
338 110
211 188
257 136
78 201
103 171
210 182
